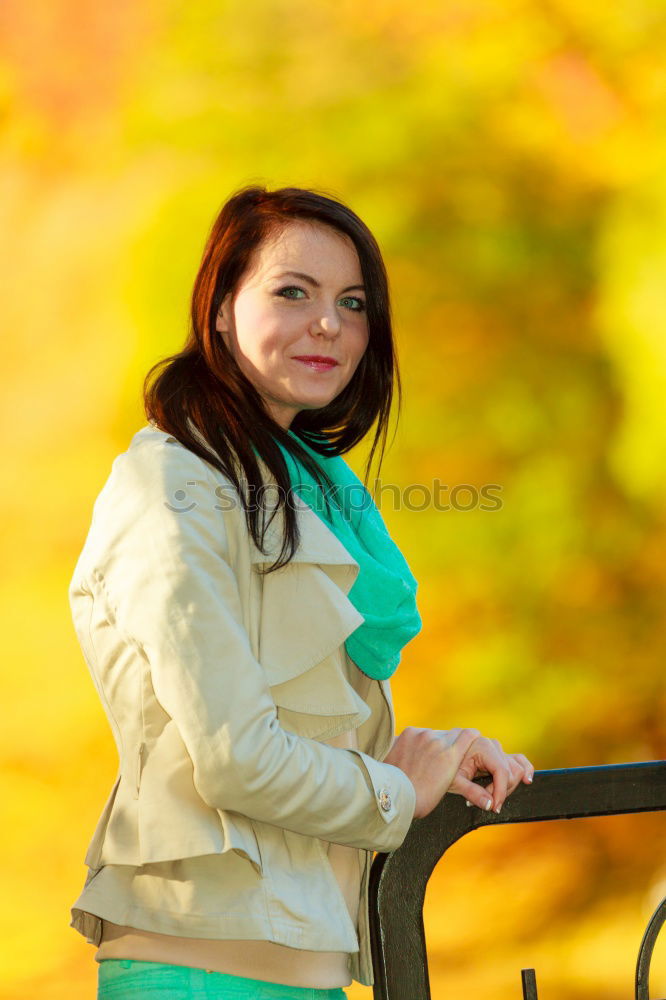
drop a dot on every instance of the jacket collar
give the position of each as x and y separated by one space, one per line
318 543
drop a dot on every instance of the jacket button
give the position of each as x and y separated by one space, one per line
384 799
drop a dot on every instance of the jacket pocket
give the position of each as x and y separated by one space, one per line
158 829
241 837
138 768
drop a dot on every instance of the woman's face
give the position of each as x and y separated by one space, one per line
277 318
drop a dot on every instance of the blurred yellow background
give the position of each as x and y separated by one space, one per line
510 157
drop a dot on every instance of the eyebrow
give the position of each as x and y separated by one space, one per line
313 281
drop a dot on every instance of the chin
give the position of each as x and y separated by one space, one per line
315 404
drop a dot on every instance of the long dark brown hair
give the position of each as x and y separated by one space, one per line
202 384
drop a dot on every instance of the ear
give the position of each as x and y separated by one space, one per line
224 318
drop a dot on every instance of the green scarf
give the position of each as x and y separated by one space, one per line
384 591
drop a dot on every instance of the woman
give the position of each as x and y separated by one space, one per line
241 614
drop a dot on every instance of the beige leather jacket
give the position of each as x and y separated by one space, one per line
219 686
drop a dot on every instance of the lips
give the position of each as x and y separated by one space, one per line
318 358
316 363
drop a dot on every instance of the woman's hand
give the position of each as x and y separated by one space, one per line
486 756
447 760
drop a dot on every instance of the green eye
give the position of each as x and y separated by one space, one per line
289 288
359 307
360 303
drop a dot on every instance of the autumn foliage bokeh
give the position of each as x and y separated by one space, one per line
510 156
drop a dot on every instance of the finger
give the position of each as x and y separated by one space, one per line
528 767
486 756
520 769
475 794
495 762
501 773
516 774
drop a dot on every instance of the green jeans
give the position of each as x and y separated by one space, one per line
126 979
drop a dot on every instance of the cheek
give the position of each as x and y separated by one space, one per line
362 344
258 332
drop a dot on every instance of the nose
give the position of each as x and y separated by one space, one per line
329 324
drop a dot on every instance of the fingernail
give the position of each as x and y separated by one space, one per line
498 809
467 802
488 804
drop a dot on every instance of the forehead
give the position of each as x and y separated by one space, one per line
308 243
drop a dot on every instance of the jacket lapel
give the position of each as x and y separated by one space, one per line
318 544
305 613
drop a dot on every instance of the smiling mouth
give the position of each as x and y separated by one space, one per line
323 358
318 364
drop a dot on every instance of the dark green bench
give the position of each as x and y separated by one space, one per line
398 880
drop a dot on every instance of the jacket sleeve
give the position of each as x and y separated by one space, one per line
159 553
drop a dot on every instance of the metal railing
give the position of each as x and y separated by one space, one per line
398 880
